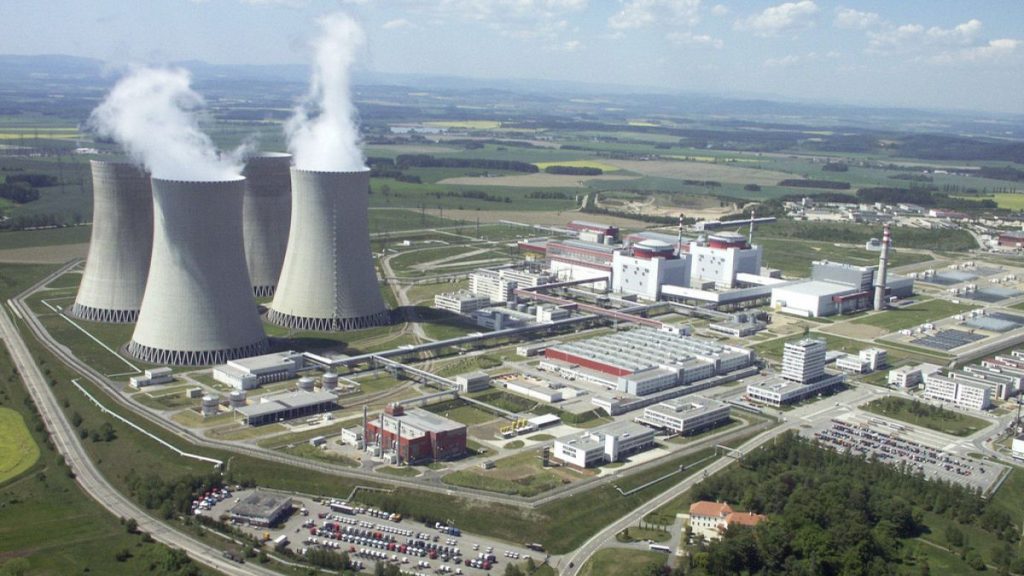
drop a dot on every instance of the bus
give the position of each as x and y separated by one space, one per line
660 548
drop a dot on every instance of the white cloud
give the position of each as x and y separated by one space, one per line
782 18
397 24
851 19
962 34
286 3
694 39
719 9
784 62
915 36
571 45
994 50
521 19
642 13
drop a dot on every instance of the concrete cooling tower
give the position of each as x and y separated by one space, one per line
122 238
328 281
199 307
266 213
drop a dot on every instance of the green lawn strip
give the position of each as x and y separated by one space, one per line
45 237
925 415
895 319
16 277
18 451
317 453
635 534
623 562
461 411
405 472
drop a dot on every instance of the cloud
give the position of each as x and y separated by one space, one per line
152 114
286 3
994 50
643 13
719 10
851 19
916 36
694 39
542 20
782 18
784 62
397 24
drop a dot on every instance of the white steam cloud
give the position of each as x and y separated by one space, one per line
322 134
151 113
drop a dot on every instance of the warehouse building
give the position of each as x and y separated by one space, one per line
803 375
253 372
260 508
610 443
461 302
416 435
686 415
152 377
836 288
287 406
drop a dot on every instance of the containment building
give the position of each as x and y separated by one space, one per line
266 215
199 306
122 238
328 281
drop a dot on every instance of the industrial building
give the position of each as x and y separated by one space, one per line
287 406
1017 447
803 375
579 260
965 394
255 371
720 258
199 306
609 443
328 280
595 231
642 361
266 218
911 376
416 435
836 288
690 415
115 274
461 302
1013 239
152 377
491 284
863 362
260 508
648 265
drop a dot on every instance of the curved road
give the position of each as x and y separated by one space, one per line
90 478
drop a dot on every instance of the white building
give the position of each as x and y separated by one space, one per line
609 443
650 265
804 361
686 415
905 376
490 283
814 298
960 393
1017 447
803 375
152 377
247 373
461 302
712 519
721 258
866 361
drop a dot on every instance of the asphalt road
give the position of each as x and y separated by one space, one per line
90 478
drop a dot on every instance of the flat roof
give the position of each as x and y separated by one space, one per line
288 400
264 361
428 421
544 420
686 405
587 245
818 288
260 505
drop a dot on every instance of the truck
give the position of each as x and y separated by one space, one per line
281 541
535 546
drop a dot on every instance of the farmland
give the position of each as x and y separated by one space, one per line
18 451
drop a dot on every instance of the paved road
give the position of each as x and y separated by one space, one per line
86 474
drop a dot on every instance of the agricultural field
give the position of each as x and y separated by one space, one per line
579 164
539 180
18 451
719 172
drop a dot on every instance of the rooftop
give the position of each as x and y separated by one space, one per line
713 509
818 288
285 401
428 421
259 505
263 362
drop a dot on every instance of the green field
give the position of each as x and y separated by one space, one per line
938 419
579 164
895 319
46 237
794 256
16 277
461 411
521 474
18 451
623 562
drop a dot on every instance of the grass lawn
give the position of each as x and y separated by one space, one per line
46 237
461 411
18 451
622 562
939 561
895 319
315 453
403 471
934 418
634 534
16 277
521 474
794 256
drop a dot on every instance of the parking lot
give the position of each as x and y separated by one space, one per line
885 446
370 536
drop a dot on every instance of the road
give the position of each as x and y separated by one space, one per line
89 477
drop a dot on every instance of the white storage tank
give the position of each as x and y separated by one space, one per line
306 383
237 399
329 381
211 405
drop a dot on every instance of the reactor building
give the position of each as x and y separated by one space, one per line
199 306
266 215
328 281
114 280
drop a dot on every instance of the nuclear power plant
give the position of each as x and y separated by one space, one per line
266 215
122 238
328 281
199 306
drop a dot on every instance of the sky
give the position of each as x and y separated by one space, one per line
928 54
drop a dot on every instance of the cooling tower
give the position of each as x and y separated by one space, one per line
328 281
266 212
122 238
199 307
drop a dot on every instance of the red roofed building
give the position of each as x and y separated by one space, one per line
712 519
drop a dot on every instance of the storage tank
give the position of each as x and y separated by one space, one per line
115 274
237 399
199 307
328 280
266 217
306 383
329 381
211 405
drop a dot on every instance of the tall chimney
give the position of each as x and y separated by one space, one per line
679 238
750 234
883 266
362 443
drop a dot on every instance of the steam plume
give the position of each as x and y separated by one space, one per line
152 114
322 134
